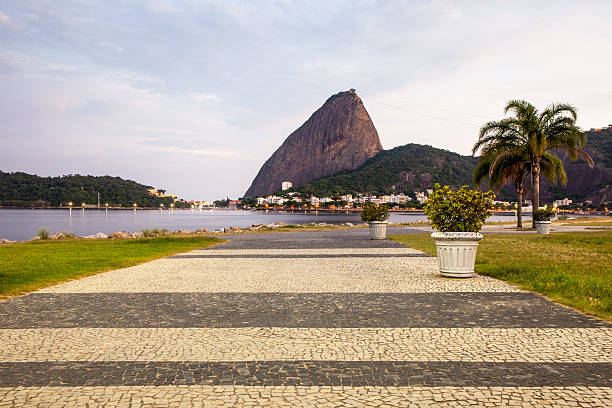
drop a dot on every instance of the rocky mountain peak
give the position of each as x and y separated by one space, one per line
338 136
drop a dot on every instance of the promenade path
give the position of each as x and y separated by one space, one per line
298 319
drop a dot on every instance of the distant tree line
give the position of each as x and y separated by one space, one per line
27 190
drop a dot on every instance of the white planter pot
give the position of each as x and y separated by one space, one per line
457 252
543 227
378 229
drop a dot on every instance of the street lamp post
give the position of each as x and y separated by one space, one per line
106 205
83 208
70 205
135 206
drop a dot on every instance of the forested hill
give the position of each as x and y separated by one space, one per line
601 142
417 167
402 169
24 190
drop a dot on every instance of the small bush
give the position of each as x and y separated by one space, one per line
373 212
544 214
43 233
146 232
462 211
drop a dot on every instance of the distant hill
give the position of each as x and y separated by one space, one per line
584 183
601 142
402 169
26 190
416 167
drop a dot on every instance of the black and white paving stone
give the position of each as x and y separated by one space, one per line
304 318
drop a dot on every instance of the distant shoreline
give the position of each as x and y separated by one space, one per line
81 208
279 209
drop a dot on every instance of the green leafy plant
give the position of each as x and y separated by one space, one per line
69 234
373 212
43 233
544 214
464 210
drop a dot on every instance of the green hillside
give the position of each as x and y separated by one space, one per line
24 190
416 167
601 141
402 169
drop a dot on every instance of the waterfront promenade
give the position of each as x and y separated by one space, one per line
325 318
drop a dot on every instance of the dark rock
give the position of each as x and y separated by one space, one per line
338 136
120 235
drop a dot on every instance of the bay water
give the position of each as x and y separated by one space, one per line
23 224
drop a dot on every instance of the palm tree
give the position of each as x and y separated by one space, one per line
516 168
511 167
534 134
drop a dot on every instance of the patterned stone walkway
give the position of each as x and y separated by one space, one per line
298 319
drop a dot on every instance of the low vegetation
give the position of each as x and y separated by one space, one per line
574 269
25 267
42 233
155 232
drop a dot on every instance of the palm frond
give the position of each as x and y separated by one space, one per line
551 167
574 153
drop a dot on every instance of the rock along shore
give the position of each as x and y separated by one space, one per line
163 232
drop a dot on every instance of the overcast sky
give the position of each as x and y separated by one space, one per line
193 96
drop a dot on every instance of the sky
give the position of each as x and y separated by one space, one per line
193 96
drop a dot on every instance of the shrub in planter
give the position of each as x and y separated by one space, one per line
544 214
464 210
542 217
376 216
458 216
373 212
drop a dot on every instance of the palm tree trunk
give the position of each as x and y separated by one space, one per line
535 186
519 209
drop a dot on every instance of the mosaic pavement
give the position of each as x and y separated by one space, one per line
298 319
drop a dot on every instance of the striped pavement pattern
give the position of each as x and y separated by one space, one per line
298 319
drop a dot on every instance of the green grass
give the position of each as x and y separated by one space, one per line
592 221
25 267
574 269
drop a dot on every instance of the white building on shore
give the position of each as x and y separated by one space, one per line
565 201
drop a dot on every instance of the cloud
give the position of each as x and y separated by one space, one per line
137 89
204 96
5 20
197 152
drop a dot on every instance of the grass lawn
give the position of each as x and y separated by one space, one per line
592 221
25 267
574 269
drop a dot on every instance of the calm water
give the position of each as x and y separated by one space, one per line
22 225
